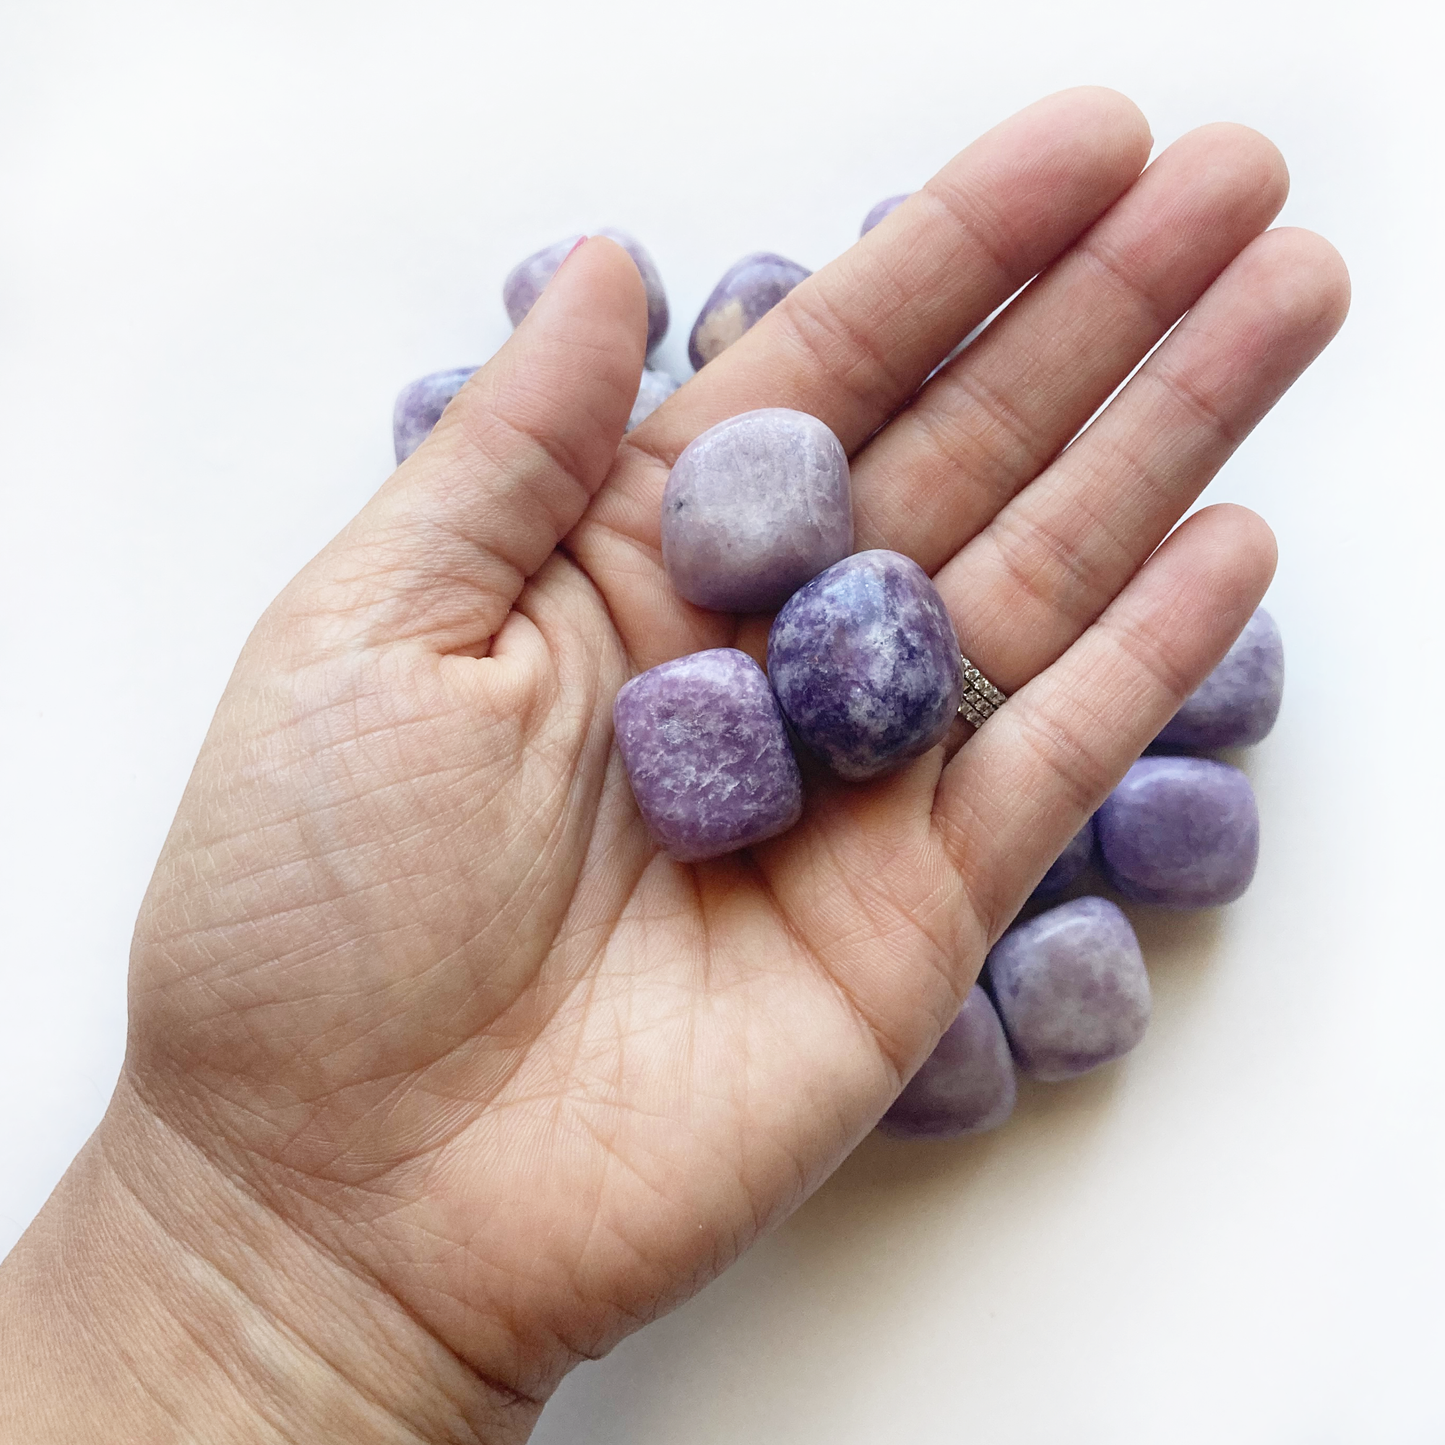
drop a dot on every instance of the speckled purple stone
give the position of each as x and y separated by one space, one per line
865 663
882 209
746 293
1071 988
966 1085
1067 866
1238 702
753 508
707 754
654 389
1181 832
420 405
526 280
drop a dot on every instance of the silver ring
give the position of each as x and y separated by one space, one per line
981 699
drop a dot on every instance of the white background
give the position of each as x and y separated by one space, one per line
230 232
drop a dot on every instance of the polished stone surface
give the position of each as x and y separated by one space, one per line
1238 702
1181 832
882 209
966 1085
1068 866
526 280
707 754
865 663
746 293
419 407
755 507
1071 988
654 389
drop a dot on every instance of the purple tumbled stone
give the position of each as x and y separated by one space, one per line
1238 702
1182 832
865 663
966 1085
1071 988
528 277
654 389
1068 865
882 209
753 508
746 293
707 754
420 405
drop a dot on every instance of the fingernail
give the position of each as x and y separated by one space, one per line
576 246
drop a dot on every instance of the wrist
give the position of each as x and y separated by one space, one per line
155 1299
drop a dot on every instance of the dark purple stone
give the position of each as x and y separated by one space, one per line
1071 988
1238 702
753 508
1181 832
707 754
420 405
526 280
882 209
746 293
865 663
1067 866
966 1085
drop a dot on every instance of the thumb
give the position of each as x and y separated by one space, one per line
443 550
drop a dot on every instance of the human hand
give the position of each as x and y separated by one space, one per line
432 1053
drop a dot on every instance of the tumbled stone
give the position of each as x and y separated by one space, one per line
882 209
1238 702
753 508
966 1085
865 663
1071 988
1067 866
746 293
526 280
1182 832
707 754
419 407
654 389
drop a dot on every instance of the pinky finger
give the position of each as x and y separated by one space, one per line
1013 796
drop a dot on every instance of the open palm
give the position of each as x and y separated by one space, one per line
411 972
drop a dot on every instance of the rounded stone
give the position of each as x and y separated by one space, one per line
1182 832
1071 988
1067 867
746 293
654 389
882 209
419 407
865 663
707 754
1239 701
753 508
966 1085
527 279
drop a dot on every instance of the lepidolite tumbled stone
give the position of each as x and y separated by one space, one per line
1238 702
865 663
707 754
419 407
1071 988
753 508
1068 865
746 293
1181 832
654 389
882 209
966 1085
526 280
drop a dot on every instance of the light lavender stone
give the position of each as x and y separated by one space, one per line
1181 832
753 508
746 293
1067 866
966 1085
1071 988
419 407
654 389
526 280
1238 702
865 663
707 754
882 209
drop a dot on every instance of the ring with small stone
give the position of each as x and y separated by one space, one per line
981 699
